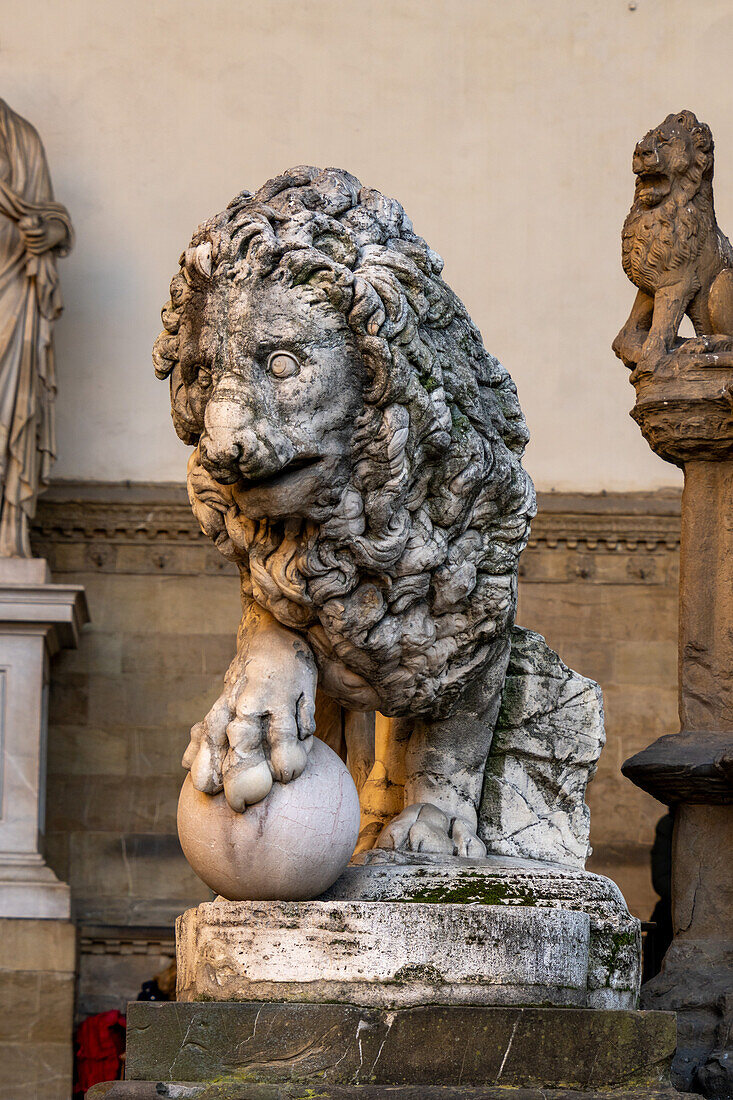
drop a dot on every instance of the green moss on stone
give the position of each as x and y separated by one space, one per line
610 948
418 972
470 888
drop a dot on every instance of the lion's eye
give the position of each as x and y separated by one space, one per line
282 364
204 378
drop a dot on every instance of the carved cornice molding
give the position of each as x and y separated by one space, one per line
607 521
123 527
127 941
79 511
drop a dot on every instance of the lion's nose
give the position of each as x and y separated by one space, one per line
644 158
227 441
221 462
644 150
219 453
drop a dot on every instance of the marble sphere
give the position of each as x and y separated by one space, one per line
291 846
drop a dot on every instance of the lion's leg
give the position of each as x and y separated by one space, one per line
444 772
630 340
359 739
261 727
720 304
383 795
670 306
699 314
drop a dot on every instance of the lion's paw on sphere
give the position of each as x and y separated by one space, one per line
291 846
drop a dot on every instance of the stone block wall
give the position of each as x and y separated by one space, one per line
598 580
37 979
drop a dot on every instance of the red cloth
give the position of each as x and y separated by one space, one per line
99 1045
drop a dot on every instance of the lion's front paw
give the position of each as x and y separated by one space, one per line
424 828
628 350
261 728
653 350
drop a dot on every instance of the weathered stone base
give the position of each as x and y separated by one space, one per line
384 954
496 931
270 1051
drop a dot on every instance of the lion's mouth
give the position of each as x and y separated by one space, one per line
281 476
651 186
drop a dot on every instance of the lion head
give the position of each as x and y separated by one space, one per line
676 156
358 452
673 165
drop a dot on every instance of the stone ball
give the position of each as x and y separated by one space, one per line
291 846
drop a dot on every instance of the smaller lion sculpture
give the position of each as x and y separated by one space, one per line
357 452
672 248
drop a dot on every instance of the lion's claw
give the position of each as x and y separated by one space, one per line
245 784
425 828
261 728
467 844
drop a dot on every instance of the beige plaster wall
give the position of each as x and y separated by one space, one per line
506 129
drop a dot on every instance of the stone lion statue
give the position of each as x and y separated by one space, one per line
672 248
357 452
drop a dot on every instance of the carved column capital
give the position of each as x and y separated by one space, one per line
684 405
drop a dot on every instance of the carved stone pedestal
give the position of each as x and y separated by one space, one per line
36 620
496 931
684 407
409 979
311 1051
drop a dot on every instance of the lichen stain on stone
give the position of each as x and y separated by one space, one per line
418 972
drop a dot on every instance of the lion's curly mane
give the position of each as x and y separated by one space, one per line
663 238
409 583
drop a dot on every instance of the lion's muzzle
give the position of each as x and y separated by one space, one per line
228 443
237 447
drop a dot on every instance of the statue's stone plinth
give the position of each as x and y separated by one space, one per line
382 953
37 619
495 931
412 975
37 939
266 1051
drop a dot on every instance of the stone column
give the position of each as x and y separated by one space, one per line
36 620
685 410
37 939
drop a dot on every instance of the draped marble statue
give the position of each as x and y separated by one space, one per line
34 230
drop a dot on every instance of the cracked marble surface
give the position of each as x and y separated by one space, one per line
546 745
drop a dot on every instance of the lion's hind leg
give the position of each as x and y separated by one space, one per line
382 796
720 304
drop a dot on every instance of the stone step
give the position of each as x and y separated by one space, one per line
335 1046
152 1090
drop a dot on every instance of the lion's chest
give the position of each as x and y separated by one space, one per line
646 243
404 647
